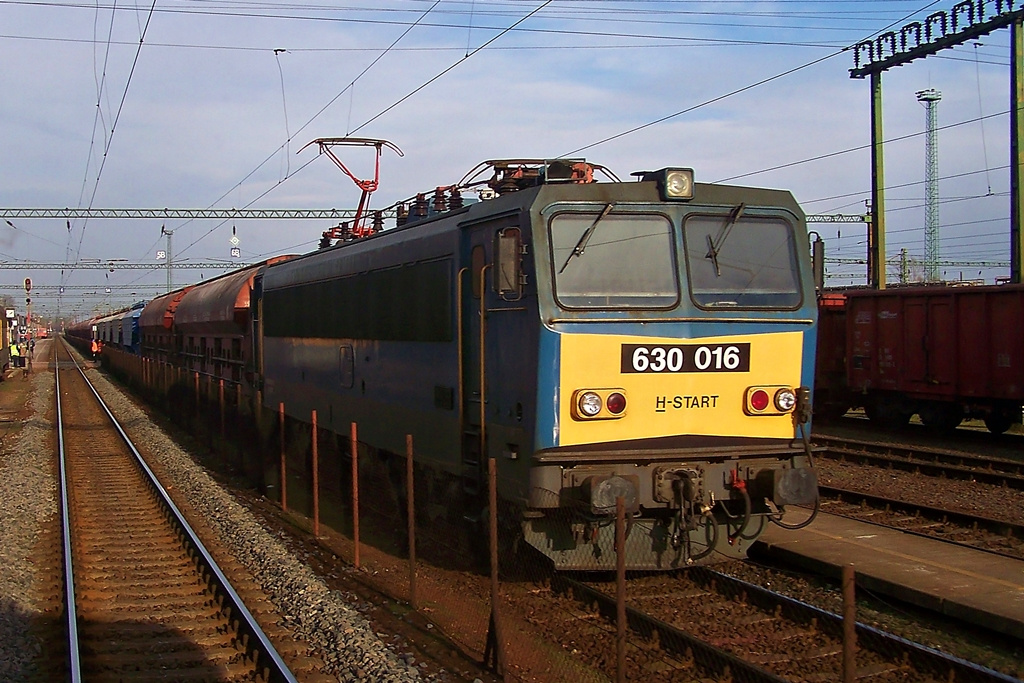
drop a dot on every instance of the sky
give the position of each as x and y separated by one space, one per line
209 104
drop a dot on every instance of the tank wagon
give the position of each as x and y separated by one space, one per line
943 353
652 340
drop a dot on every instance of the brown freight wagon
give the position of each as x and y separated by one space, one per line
156 326
831 392
944 353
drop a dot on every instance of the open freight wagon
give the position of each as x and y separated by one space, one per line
944 353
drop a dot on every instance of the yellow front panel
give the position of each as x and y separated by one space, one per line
672 403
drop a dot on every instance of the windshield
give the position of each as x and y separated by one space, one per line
606 259
737 261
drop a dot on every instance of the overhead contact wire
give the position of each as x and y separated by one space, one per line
113 127
745 88
305 125
453 66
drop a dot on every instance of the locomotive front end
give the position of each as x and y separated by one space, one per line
676 361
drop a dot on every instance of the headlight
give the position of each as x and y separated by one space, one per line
679 183
589 404
785 400
673 183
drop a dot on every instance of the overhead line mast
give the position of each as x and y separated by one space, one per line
942 30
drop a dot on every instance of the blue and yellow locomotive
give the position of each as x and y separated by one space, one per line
652 340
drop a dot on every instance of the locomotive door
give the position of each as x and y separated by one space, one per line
490 275
473 328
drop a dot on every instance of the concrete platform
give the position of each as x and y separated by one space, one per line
971 585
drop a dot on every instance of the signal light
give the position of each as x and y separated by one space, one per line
598 404
769 400
759 400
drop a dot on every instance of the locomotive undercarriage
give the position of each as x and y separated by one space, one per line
678 513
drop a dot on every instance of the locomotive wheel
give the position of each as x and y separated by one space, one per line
942 417
886 414
998 423
831 412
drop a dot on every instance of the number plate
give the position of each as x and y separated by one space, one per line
685 358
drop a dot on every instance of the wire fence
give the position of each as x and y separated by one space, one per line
458 556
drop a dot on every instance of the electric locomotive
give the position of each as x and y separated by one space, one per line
649 340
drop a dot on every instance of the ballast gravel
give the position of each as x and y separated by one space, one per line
28 500
346 641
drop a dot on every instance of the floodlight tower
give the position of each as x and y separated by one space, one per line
930 98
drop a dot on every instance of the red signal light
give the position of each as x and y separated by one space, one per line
616 403
759 400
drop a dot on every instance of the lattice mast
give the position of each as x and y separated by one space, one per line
930 98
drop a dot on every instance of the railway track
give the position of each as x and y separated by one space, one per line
934 462
997 536
709 623
144 599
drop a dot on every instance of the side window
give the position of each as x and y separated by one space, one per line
508 269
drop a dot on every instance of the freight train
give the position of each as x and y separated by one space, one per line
944 353
649 340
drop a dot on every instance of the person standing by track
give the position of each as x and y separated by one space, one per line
16 360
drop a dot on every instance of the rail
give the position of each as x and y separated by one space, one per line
74 661
967 520
254 637
987 470
716 660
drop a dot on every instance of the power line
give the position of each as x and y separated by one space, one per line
860 147
189 214
732 93
108 265
304 126
904 185
445 71
117 117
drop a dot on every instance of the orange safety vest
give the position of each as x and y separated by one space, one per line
95 346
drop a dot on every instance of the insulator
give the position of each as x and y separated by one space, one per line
378 221
401 215
420 206
455 200
439 203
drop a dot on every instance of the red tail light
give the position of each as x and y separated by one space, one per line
759 400
616 403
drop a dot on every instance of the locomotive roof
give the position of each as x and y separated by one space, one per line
364 253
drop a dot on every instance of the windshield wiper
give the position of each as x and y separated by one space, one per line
581 245
715 245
